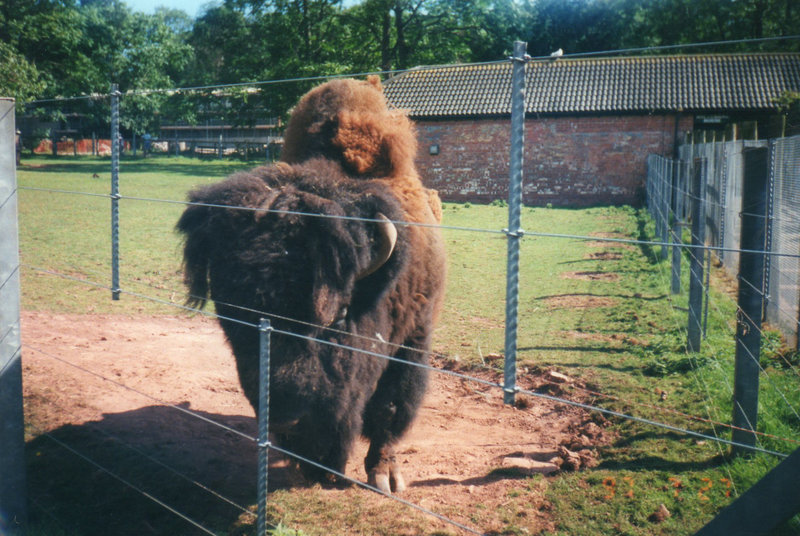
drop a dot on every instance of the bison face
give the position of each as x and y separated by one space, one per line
301 242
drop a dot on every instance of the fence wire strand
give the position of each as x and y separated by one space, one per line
423 366
656 205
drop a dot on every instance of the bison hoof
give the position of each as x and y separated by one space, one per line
387 482
397 481
380 481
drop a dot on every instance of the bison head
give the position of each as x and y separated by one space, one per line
349 121
289 241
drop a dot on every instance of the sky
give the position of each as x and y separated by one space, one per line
192 7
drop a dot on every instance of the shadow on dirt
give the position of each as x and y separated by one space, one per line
123 474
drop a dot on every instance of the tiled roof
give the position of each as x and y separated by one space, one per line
702 83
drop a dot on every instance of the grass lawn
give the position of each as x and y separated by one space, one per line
600 312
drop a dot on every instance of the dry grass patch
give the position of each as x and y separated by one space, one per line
604 256
579 301
591 276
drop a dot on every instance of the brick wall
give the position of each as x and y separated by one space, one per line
576 161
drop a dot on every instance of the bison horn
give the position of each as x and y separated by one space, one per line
387 238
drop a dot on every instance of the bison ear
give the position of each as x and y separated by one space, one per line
375 82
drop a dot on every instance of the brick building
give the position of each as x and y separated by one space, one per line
590 123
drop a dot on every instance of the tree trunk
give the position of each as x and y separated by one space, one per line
386 37
402 46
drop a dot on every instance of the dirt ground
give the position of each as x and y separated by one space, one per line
116 390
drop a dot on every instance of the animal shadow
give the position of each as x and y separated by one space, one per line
145 471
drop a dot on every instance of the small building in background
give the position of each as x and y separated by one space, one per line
590 123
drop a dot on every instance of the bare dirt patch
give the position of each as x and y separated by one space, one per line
607 244
578 301
591 276
609 234
118 390
604 256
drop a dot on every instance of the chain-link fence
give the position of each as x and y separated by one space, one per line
722 168
783 290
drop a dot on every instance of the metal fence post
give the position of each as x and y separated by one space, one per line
751 297
12 438
665 203
115 148
514 233
696 254
264 330
677 225
770 221
656 208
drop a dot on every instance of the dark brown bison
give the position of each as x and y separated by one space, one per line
348 276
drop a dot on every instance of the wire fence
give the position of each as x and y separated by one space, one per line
722 168
732 199
584 398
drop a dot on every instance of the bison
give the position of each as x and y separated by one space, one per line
329 246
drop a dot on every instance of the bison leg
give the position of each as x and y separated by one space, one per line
322 439
383 470
387 416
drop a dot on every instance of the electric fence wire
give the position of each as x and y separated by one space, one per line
529 234
750 356
432 369
328 329
551 235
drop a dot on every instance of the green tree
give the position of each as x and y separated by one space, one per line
47 34
221 39
140 53
19 79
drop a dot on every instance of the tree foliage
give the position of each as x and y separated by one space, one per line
19 79
78 47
